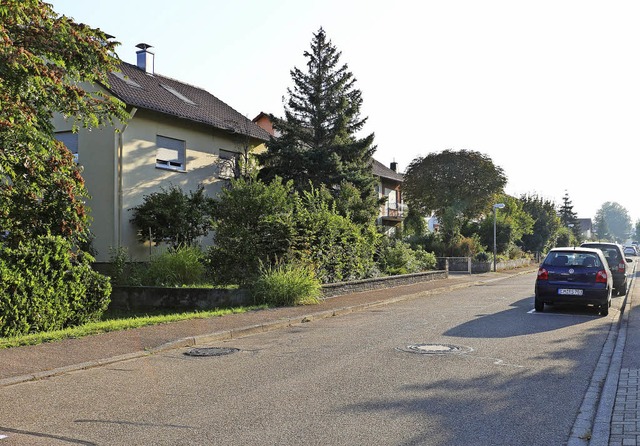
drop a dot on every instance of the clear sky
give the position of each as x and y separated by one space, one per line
548 89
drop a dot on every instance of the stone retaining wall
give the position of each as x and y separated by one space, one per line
335 289
191 299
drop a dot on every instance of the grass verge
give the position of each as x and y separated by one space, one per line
118 322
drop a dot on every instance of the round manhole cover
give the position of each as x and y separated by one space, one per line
436 349
211 351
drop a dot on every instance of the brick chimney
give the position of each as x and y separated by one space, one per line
394 166
145 58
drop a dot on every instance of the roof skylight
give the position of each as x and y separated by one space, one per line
126 79
177 94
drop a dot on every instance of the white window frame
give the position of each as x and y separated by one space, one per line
171 153
70 141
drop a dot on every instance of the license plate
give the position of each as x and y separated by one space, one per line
570 292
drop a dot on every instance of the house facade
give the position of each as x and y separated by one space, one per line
177 134
389 187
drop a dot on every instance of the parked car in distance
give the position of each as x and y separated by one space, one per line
574 275
630 250
618 263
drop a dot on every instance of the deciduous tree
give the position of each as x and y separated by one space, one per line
454 185
617 221
44 59
545 223
46 281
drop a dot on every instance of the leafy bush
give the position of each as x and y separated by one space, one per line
397 257
173 216
565 237
254 225
118 259
482 257
425 260
261 224
430 242
466 246
286 285
44 286
339 248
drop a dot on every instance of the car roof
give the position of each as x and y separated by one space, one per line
607 245
580 249
601 244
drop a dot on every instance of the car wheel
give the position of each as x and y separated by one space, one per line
539 306
604 310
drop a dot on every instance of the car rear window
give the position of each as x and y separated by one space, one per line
573 259
610 251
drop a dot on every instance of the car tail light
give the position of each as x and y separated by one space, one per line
601 276
543 274
621 267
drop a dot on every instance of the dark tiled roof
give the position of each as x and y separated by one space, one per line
162 94
380 170
585 224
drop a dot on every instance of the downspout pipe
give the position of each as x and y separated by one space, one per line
118 183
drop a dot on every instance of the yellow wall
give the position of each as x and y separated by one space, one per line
96 156
140 177
111 204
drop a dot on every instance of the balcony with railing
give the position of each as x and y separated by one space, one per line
395 212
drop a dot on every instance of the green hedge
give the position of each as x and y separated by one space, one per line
44 286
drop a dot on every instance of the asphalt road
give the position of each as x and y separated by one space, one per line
475 366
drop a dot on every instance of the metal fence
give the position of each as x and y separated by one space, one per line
470 266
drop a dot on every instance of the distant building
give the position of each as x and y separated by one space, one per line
389 186
586 228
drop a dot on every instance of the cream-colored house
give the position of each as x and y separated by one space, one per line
177 134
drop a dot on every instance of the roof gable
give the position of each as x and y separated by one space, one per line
165 95
380 170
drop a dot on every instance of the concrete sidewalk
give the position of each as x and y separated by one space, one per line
618 420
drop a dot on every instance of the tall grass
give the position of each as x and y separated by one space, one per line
287 285
176 267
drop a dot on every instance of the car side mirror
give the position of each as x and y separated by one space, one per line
628 260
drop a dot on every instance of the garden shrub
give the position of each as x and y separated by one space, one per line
253 224
118 260
397 257
44 286
260 224
173 217
482 257
286 285
466 246
340 249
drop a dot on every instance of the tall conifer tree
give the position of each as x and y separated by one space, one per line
317 142
569 218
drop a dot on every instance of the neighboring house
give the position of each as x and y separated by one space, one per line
177 134
263 120
389 187
586 228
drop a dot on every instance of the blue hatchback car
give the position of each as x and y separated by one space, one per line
578 276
